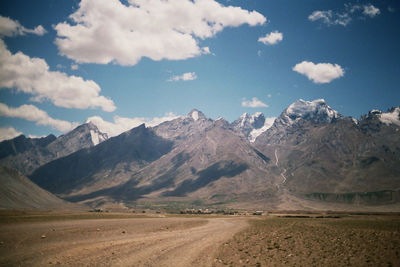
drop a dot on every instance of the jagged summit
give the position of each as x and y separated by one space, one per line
300 112
252 125
317 111
375 119
196 115
96 135
390 117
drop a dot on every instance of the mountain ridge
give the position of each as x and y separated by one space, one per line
310 157
34 152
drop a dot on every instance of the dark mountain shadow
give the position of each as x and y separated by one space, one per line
208 175
129 192
140 145
20 144
261 155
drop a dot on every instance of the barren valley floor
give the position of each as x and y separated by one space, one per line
116 242
206 240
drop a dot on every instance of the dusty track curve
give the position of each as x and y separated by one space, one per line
117 242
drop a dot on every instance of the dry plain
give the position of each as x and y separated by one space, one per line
72 239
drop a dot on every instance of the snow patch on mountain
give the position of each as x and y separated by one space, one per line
316 110
256 132
391 117
195 115
252 125
97 137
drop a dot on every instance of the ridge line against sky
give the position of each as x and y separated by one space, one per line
123 63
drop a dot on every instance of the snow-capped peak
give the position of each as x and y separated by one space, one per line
252 125
196 115
375 111
96 136
256 132
391 117
316 110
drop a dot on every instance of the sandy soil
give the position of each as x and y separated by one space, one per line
116 242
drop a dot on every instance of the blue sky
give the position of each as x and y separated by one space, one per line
346 52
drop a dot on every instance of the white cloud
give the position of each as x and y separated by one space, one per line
74 66
104 31
330 18
188 76
206 50
32 113
371 10
269 95
7 133
271 38
343 18
325 16
32 76
319 73
254 103
121 124
9 28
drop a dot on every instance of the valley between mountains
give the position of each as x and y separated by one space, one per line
309 158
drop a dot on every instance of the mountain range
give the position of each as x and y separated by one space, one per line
310 157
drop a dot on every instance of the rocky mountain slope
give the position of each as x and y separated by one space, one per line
110 163
186 161
27 154
326 156
18 192
309 157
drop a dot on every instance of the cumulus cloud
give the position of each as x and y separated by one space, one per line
32 113
271 38
9 28
7 133
104 31
188 76
253 103
371 10
319 73
121 124
32 76
344 18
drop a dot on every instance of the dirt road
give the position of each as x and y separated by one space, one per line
116 242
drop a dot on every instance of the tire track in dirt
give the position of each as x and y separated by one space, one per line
145 242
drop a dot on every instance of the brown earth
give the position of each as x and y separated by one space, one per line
348 241
163 241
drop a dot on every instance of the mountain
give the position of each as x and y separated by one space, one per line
110 163
189 158
251 126
18 192
298 116
325 156
311 157
27 154
20 144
